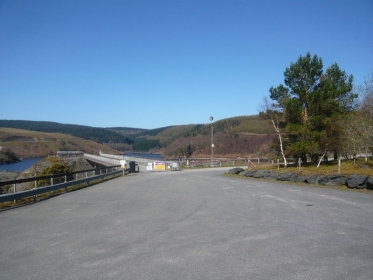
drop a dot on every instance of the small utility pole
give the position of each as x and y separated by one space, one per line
212 141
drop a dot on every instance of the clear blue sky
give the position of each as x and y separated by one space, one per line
155 63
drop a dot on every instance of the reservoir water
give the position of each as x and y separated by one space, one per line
20 166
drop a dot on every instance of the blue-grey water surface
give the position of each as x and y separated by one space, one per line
20 166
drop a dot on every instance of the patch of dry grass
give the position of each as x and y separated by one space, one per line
348 167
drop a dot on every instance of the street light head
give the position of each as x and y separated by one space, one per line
211 118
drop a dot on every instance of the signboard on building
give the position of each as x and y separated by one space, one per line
159 165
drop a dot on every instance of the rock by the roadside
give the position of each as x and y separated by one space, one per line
356 181
370 183
333 180
261 173
294 177
312 179
235 170
289 176
265 174
242 173
352 181
272 175
301 179
250 173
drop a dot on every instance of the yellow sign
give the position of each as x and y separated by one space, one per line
159 165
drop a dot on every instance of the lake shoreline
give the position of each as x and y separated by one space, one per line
20 166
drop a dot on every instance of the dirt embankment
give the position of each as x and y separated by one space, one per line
7 156
10 175
74 164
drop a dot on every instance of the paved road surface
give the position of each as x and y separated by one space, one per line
190 225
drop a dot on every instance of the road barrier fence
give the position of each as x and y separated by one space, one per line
50 183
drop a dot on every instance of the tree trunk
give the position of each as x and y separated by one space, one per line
305 113
325 152
281 145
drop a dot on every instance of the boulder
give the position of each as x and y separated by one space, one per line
333 180
352 181
302 179
235 170
250 173
261 173
242 173
294 177
272 175
312 179
356 181
370 183
289 176
265 174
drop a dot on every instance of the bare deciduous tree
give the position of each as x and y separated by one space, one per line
270 112
366 110
358 127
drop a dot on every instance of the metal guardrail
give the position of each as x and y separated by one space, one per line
195 162
39 190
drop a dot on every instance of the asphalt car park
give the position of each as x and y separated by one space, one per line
193 224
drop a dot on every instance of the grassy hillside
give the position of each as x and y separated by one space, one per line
236 136
235 125
97 134
25 143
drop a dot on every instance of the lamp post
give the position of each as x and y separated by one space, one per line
212 141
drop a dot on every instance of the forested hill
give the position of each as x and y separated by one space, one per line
99 135
236 135
233 136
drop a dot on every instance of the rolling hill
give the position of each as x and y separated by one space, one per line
236 136
26 143
96 134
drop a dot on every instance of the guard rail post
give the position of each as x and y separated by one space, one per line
35 188
15 195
